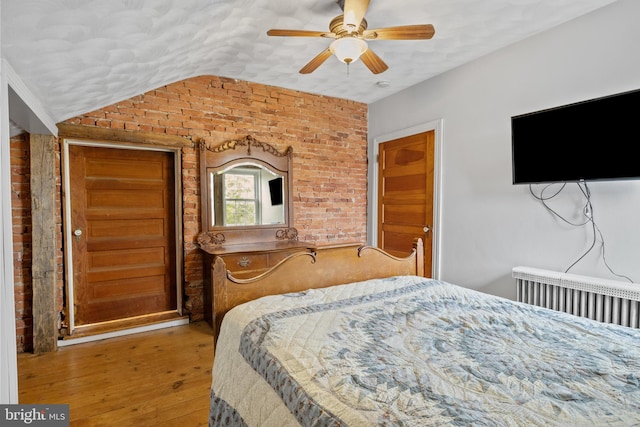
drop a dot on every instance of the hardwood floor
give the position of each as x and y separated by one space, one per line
153 378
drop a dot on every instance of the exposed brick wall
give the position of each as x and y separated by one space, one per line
21 213
328 136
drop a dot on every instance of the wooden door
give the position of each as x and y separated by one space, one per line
405 195
123 233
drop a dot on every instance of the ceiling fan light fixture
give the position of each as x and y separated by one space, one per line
348 49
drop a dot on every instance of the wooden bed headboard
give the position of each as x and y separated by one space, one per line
325 266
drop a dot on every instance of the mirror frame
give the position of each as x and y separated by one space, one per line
245 150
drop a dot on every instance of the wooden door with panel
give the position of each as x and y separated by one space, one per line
405 195
123 233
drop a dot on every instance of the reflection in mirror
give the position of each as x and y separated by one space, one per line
246 195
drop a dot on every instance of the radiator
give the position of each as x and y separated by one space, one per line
609 301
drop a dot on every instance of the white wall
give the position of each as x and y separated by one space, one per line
8 358
19 104
488 224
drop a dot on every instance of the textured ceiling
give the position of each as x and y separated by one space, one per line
80 55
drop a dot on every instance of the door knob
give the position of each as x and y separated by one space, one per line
426 229
77 232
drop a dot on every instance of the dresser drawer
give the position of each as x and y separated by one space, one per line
276 257
245 262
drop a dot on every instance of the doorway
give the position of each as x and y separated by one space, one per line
121 234
406 196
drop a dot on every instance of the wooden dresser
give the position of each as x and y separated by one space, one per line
244 261
246 190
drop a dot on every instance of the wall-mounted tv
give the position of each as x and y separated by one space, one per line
275 191
590 140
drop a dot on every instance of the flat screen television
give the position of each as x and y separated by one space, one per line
591 140
275 191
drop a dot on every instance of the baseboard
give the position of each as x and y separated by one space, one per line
67 341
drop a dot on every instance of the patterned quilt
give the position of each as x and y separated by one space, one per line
410 351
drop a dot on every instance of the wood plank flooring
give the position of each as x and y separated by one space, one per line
153 378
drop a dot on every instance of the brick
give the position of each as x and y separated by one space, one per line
328 136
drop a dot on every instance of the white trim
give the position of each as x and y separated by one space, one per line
147 328
8 348
438 127
123 146
66 237
68 255
26 108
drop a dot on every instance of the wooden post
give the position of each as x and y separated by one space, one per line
43 220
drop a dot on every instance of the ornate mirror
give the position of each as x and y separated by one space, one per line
246 188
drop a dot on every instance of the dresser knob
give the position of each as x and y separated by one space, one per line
244 262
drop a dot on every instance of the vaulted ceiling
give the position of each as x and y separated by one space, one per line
76 56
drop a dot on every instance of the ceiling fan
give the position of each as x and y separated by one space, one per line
350 35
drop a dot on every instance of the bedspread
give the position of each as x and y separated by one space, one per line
409 351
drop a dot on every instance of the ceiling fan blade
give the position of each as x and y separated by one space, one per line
316 62
406 32
299 33
354 11
373 62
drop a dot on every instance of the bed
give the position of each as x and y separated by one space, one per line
385 346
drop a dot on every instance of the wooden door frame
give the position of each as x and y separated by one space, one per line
437 127
68 256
